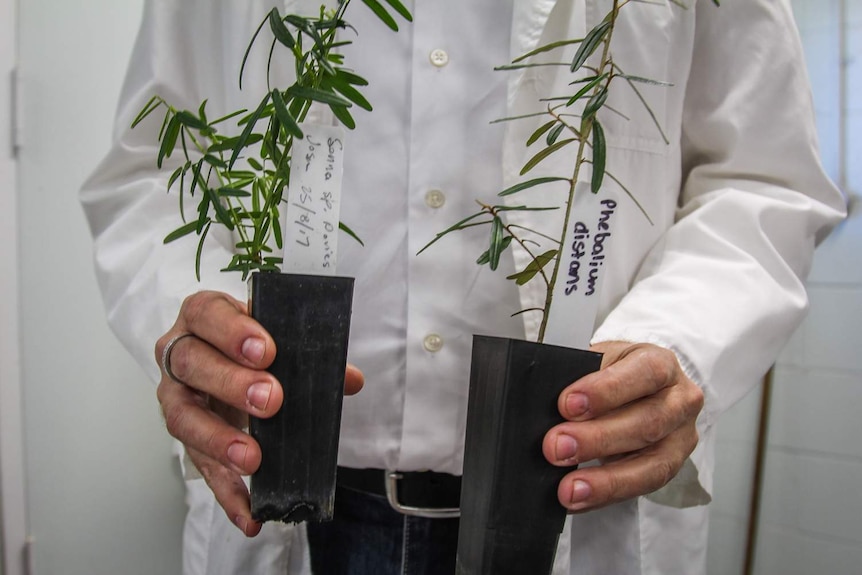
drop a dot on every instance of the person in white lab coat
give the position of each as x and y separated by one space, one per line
693 312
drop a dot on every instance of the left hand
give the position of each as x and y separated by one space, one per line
636 415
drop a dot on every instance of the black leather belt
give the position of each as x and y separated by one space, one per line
417 493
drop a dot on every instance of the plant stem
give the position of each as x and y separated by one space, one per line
585 131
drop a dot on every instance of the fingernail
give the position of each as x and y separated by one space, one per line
253 349
581 491
242 523
258 395
577 404
566 447
236 454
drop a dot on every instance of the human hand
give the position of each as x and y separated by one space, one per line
223 382
636 415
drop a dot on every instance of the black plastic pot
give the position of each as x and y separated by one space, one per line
510 516
309 319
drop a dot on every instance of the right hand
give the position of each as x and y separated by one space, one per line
222 370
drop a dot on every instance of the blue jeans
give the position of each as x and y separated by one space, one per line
368 537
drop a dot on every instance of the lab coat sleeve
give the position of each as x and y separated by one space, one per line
723 288
144 282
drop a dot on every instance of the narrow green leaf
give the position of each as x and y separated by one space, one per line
203 211
239 174
188 119
381 13
642 80
533 268
169 142
595 103
228 117
631 196
591 41
599 157
554 134
226 192
222 215
649 110
547 48
510 67
215 161
486 256
452 228
248 48
524 209
177 173
154 103
540 132
289 123
496 243
583 91
317 95
530 184
280 31
401 9
268 111
522 117
323 61
200 250
168 115
353 95
276 228
343 227
246 133
350 77
226 144
305 25
343 115
535 160
197 179
181 232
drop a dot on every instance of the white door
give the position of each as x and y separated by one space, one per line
103 492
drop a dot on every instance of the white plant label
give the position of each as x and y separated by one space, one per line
586 255
310 220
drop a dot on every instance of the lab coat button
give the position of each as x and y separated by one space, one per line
433 343
435 199
439 57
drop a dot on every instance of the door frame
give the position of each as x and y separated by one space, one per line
13 500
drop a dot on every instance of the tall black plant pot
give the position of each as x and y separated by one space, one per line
510 516
309 319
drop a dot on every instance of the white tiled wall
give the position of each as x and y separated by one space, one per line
811 509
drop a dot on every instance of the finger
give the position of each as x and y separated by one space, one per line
630 428
637 474
229 490
639 371
354 380
199 365
189 419
224 322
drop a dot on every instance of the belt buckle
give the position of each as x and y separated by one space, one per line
392 478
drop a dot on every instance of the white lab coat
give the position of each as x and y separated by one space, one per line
738 201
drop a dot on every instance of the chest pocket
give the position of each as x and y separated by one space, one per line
651 41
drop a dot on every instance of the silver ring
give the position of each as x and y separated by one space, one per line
166 356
